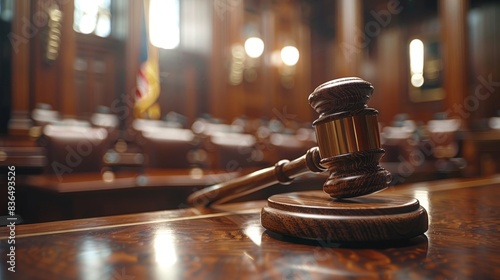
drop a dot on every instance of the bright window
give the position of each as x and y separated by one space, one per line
164 27
93 17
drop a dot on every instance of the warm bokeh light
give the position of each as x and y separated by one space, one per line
164 27
87 22
290 55
92 16
254 47
108 176
417 80
103 27
416 56
417 62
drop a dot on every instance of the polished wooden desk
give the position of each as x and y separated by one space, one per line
228 242
45 198
23 153
85 182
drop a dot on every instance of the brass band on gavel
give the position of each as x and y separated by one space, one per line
347 135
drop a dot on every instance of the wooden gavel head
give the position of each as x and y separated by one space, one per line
348 138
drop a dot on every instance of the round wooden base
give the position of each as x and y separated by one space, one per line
315 215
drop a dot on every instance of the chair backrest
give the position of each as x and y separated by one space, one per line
444 137
398 143
110 122
104 120
44 115
290 146
232 151
73 149
494 123
166 147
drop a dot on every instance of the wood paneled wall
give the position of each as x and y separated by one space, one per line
483 66
469 47
266 96
98 71
195 83
54 83
85 74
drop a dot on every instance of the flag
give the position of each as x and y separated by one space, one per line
148 76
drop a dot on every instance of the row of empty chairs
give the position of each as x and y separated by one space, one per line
218 146
424 151
438 139
74 146
79 146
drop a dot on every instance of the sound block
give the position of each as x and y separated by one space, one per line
315 215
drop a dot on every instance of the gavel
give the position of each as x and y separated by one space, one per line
349 149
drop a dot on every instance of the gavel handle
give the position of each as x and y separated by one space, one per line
283 172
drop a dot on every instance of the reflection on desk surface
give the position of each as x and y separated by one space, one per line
228 241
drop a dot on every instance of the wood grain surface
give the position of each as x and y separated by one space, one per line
314 215
228 242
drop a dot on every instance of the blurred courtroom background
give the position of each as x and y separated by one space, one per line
99 120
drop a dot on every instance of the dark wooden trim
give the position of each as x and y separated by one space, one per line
21 61
349 14
132 63
65 78
453 17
